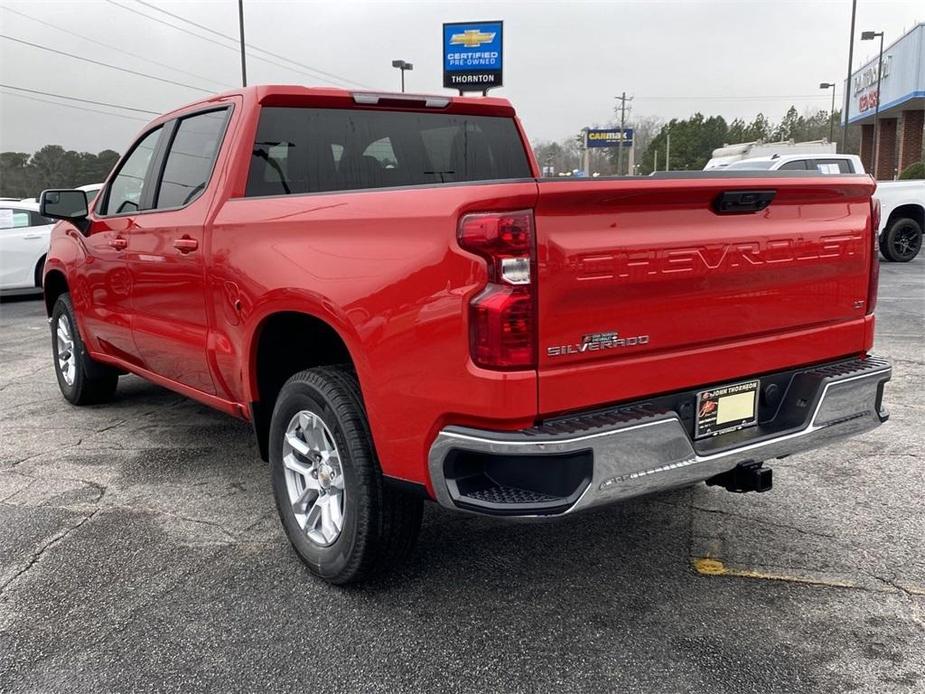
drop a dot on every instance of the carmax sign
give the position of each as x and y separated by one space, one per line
612 137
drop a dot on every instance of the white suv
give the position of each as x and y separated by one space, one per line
823 163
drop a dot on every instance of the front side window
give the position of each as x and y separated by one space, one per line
14 219
798 165
309 150
128 185
191 158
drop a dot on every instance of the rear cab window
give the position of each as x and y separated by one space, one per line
310 150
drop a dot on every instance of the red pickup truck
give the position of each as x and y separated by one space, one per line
404 309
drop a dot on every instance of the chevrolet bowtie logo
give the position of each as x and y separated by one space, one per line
471 38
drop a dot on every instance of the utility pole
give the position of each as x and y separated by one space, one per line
623 98
668 150
844 132
243 60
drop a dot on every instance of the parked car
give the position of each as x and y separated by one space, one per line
903 214
385 287
91 190
823 163
24 237
729 154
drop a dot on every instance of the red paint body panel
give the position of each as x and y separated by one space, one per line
705 297
719 297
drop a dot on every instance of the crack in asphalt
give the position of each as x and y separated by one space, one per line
754 519
56 539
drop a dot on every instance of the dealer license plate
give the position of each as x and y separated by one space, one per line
727 408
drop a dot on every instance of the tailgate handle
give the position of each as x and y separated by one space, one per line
743 201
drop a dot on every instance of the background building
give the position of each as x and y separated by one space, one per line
902 105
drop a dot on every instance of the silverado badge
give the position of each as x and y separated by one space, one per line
595 342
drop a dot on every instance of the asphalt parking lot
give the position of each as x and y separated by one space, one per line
139 550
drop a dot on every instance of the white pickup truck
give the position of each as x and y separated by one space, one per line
902 211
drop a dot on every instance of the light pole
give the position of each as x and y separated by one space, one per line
870 36
243 60
826 85
402 65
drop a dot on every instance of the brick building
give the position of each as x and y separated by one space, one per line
902 105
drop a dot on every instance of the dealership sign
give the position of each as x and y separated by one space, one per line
610 137
473 55
902 79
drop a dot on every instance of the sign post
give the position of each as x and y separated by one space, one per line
473 55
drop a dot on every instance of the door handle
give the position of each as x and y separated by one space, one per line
186 244
118 243
743 201
32 236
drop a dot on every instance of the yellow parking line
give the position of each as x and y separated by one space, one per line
707 566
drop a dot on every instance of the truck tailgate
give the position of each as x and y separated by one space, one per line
644 288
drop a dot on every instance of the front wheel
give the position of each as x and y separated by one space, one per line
902 241
341 517
82 380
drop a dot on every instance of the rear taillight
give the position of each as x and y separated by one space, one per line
874 256
502 317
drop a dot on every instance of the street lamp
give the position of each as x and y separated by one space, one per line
827 85
870 36
402 65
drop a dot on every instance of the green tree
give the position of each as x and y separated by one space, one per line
692 143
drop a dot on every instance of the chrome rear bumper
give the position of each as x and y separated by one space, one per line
635 450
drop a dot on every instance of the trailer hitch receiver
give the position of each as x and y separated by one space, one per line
744 477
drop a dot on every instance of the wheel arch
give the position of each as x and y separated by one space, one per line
912 210
274 355
54 285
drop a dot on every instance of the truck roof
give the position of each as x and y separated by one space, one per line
336 97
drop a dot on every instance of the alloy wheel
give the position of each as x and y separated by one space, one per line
67 362
314 478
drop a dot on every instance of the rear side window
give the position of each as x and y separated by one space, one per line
191 158
310 150
125 191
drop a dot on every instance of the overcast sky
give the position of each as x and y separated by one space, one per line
564 61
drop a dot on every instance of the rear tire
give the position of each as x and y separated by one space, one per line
902 241
82 380
341 517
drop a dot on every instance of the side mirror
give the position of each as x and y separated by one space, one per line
70 205
63 204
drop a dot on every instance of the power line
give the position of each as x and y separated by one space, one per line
85 101
78 108
168 24
97 62
252 46
737 98
206 38
113 48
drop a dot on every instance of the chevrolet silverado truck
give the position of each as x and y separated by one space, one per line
385 287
